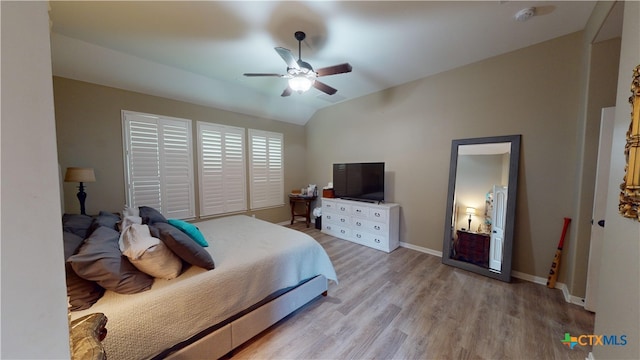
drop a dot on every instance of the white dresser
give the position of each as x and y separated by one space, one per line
370 224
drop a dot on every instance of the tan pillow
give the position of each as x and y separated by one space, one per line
148 254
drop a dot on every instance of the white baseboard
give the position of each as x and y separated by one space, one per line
421 249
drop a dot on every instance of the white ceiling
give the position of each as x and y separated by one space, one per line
197 51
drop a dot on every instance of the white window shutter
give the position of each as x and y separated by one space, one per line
158 164
266 169
221 169
177 163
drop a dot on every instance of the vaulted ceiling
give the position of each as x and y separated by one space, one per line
198 51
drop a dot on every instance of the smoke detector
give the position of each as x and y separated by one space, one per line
526 14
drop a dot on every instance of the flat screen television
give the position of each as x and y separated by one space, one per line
359 181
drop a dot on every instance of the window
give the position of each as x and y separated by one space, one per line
221 169
266 169
159 164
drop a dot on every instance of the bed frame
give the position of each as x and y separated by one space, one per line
228 337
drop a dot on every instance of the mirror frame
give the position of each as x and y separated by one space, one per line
507 251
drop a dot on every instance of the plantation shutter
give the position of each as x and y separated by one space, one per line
159 164
266 169
221 169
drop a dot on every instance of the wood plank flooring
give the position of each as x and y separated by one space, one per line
408 305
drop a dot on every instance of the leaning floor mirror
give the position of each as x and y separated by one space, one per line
481 205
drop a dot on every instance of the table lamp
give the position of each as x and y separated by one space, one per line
470 211
80 175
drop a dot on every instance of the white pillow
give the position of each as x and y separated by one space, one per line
129 211
148 254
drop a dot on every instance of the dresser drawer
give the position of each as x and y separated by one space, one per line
336 230
360 211
370 226
343 208
339 219
328 205
379 214
371 240
335 218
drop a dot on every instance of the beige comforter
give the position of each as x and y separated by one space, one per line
253 259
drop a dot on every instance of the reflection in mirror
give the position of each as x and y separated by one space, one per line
481 205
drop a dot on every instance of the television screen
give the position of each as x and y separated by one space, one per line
359 181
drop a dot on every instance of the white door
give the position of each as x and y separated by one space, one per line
599 207
499 218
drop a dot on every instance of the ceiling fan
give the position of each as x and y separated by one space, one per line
300 73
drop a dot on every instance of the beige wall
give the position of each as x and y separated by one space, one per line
33 316
618 310
601 75
89 133
534 92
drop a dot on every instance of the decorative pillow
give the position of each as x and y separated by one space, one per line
150 215
82 293
99 259
190 230
77 224
149 254
182 245
105 219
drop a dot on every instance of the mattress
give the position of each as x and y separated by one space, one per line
253 259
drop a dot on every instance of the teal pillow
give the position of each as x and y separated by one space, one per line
190 230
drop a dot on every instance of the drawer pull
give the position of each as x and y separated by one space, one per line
342 208
343 220
328 227
377 227
377 240
358 223
378 214
328 217
358 236
358 210
342 231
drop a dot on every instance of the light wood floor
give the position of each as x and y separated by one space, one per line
408 305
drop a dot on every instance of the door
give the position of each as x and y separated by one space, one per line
499 217
599 207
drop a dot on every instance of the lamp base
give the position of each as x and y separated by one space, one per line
82 196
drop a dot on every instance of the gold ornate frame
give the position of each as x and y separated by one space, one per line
630 195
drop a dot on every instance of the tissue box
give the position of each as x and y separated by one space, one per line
327 193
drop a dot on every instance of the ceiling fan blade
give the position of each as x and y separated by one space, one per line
288 57
262 74
286 92
336 69
324 88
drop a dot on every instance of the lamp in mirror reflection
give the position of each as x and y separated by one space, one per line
80 175
470 211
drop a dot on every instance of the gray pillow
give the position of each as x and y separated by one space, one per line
71 242
105 219
100 259
77 224
182 245
150 215
82 293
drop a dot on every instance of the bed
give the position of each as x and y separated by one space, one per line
262 273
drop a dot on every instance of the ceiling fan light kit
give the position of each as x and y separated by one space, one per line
300 73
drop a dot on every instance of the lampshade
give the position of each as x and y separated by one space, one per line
471 211
79 174
300 83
